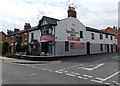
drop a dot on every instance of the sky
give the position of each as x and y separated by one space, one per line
98 14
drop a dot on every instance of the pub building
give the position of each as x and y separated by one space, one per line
66 37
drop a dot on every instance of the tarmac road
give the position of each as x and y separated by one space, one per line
93 69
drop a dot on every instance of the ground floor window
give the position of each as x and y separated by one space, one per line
66 46
101 47
46 47
50 44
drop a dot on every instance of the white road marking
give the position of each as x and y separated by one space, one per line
101 60
69 67
115 57
87 76
37 68
58 72
116 83
108 76
70 74
82 77
100 79
107 83
33 66
75 73
93 67
44 69
50 70
96 81
111 76
33 74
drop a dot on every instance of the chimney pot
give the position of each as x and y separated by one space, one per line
72 12
16 30
27 26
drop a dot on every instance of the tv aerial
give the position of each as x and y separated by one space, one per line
71 4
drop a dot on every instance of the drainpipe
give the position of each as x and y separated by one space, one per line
54 42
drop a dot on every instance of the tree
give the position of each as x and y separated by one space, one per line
9 32
0 48
5 47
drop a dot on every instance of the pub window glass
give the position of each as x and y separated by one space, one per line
66 46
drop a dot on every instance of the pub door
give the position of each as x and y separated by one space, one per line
108 48
111 48
88 48
44 47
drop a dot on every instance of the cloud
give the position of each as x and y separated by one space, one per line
94 13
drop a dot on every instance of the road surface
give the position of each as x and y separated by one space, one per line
93 69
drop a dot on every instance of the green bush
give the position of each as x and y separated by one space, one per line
0 48
5 47
24 48
18 47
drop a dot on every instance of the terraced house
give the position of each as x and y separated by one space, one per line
18 36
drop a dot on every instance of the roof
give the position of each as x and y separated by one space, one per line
49 20
98 31
116 31
22 31
2 33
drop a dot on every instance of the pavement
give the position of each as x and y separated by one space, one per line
93 69
23 61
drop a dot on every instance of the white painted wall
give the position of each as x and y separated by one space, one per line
61 35
37 35
69 23
44 22
97 38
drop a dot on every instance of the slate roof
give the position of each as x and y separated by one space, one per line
49 20
22 31
98 31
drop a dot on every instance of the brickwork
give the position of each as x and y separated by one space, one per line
113 31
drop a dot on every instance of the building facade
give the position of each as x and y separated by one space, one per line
69 37
116 33
2 36
19 37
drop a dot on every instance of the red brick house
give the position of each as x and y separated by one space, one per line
117 34
2 36
17 35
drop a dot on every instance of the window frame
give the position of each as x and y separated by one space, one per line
101 47
81 34
92 36
101 36
66 45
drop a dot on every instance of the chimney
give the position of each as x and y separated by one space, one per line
27 26
72 12
16 30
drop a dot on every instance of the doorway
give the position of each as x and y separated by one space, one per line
88 48
108 48
44 47
111 48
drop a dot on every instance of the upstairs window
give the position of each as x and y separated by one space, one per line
46 32
111 37
32 35
101 36
92 36
81 34
106 35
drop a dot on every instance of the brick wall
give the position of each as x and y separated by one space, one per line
12 40
2 36
112 31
